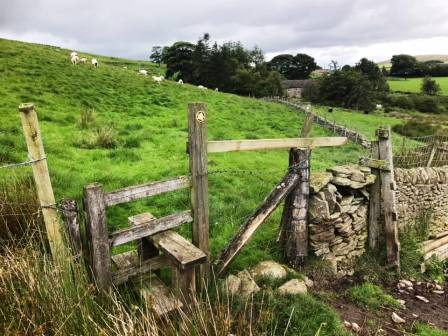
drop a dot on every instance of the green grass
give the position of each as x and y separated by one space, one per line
422 329
414 84
371 296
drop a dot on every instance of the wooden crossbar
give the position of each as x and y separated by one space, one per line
149 228
123 274
264 144
145 190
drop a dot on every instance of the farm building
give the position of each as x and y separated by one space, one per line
294 87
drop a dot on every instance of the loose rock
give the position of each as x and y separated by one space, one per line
422 298
397 319
268 269
293 287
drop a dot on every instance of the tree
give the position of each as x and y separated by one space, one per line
403 65
430 86
179 58
373 73
299 66
156 55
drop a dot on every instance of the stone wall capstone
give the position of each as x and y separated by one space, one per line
338 213
420 192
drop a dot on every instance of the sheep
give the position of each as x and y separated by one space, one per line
158 79
202 87
83 60
379 106
94 62
73 53
180 82
216 90
143 72
74 59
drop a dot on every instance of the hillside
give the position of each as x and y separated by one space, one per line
147 126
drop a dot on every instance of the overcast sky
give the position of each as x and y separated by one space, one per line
344 30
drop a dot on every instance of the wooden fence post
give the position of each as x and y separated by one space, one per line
388 198
44 189
375 230
69 210
97 235
197 149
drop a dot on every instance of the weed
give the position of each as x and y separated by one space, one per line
422 329
371 296
87 118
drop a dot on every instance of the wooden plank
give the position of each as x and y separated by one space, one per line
433 244
375 203
375 163
307 125
131 266
125 259
296 247
183 253
157 296
97 234
184 284
69 211
432 154
265 144
146 249
145 190
198 162
440 252
388 200
289 182
149 228
44 189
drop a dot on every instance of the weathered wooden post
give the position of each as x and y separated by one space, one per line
44 189
97 235
197 149
69 210
375 230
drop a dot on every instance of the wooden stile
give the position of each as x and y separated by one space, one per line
149 228
133 193
123 274
265 144
197 148
36 152
145 248
98 236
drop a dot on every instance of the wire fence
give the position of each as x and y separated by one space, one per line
427 151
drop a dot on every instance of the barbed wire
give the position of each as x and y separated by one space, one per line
20 164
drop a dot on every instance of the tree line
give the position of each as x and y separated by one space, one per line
407 66
230 67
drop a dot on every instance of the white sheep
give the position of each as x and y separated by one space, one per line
379 106
95 62
180 82
143 72
74 59
158 79
73 53
202 87
83 60
216 90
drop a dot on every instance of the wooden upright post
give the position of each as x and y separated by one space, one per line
388 199
69 210
97 234
375 229
42 180
197 148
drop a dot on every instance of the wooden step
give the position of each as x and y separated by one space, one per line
183 253
156 295
125 260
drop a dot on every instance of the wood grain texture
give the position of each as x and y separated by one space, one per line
149 228
289 182
97 235
198 162
375 163
69 211
44 189
265 144
132 266
145 190
145 247
180 251
375 229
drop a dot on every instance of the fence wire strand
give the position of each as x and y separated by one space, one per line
426 151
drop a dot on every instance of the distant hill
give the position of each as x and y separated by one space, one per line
420 58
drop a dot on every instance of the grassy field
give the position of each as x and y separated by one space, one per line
145 127
414 84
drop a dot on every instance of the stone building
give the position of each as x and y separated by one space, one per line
294 87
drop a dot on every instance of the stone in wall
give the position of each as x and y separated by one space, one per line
422 192
338 215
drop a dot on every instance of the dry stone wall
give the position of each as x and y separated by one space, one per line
338 213
420 192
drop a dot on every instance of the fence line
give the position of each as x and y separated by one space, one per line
352 135
426 151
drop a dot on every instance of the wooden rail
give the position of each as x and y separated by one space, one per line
149 228
265 144
145 190
153 264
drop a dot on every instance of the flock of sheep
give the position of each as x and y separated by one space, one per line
75 59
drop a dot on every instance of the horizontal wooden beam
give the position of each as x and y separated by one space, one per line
145 266
264 144
374 163
145 190
149 228
179 250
